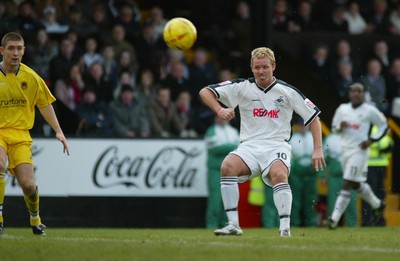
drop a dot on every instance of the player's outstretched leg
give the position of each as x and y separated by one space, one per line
32 203
368 196
230 198
341 204
378 213
283 203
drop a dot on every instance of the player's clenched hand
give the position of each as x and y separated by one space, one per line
318 160
60 136
226 114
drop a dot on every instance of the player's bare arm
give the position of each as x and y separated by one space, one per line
365 144
343 125
209 99
50 117
318 160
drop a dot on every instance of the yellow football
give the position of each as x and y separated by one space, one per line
180 33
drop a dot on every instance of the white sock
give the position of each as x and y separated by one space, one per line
230 198
341 204
368 195
283 203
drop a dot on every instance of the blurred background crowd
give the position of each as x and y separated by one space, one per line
113 76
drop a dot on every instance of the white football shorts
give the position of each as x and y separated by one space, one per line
355 165
259 156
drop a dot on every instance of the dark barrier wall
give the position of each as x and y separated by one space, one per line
127 212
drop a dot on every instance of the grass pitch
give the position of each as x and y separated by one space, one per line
378 244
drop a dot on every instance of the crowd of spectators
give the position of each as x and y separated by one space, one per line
113 76
340 64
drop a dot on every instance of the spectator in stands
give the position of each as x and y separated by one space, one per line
202 71
378 19
186 114
68 90
77 41
147 85
127 18
380 51
343 52
150 49
115 7
280 15
163 115
27 21
394 18
320 62
176 80
91 55
50 21
7 20
42 51
95 79
127 63
100 22
78 22
336 21
393 83
355 20
303 19
158 21
96 118
110 65
130 117
168 61
226 74
241 34
344 79
125 78
120 44
61 64
375 85
64 7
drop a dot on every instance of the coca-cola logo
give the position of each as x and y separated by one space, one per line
170 167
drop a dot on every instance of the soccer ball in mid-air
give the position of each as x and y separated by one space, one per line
180 33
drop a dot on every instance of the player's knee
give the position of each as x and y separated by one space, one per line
28 186
2 166
29 190
279 176
226 168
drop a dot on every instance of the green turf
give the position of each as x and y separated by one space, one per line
378 244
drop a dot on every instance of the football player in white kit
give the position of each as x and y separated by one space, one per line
266 106
353 121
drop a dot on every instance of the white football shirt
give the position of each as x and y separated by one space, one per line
265 114
360 120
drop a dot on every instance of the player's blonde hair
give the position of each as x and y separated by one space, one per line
262 52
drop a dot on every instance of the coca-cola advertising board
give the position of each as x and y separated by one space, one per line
113 167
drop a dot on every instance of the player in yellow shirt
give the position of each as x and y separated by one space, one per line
21 89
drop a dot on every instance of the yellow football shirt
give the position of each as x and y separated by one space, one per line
20 92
